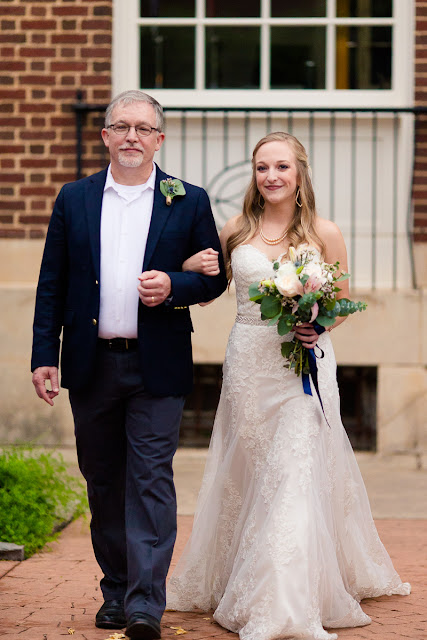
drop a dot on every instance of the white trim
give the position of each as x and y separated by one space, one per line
126 61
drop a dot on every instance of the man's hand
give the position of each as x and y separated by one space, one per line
154 287
40 375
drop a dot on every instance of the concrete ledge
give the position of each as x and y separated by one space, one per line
10 551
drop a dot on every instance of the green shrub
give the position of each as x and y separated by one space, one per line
37 495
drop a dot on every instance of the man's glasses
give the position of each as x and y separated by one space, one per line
122 129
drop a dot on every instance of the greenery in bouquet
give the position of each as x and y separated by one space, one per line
303 289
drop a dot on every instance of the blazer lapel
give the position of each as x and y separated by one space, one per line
93 201
160 214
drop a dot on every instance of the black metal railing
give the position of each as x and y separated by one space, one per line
363 167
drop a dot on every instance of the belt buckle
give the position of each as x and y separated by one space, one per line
127 344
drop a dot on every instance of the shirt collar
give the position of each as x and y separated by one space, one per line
110 183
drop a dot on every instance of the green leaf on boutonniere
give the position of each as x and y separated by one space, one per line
170 188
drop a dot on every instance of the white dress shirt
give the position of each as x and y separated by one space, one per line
125 221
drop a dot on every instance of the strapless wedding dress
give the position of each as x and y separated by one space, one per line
283 542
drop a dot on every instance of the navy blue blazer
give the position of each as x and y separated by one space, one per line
68 291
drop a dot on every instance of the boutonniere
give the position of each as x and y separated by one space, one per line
171 188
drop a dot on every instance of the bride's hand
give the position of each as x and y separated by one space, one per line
307 335
205 262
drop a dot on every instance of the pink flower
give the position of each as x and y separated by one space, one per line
314 312
314 283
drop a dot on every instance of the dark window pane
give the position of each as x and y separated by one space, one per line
167 57
167 8
300 9
364 8
232 57
363 57
232 8
298 57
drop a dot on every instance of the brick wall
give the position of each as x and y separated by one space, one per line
420 172
48 50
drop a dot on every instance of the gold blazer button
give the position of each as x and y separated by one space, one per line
94 322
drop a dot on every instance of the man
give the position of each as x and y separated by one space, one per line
126 349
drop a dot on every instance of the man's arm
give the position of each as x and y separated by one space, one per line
48 316
189 287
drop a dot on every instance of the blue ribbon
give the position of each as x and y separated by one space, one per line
313 370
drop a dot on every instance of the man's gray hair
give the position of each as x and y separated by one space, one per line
131 96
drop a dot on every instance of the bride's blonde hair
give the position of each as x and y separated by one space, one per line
302 227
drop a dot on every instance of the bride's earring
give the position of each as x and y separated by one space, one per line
261 206
298 198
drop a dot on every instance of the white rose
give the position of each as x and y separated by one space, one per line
287 281
314 269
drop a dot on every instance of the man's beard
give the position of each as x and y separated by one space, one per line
130 161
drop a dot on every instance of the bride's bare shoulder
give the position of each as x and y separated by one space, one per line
230 227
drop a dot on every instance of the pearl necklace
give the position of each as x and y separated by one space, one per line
272 241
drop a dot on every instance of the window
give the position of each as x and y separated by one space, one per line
234 50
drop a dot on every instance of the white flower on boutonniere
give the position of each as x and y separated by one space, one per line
171 188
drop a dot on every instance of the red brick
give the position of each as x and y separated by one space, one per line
16 94
37 79
6 108
6 80
62 149
69 11
12 122
12 233
68 53
73 38
7 52
33 163
38 94
96 52
13 37
7 191
6 219
69 25
8 24
12 65
68 66
38 122
31 219
7 163
38 38
38 11
13 10
11 177
97 24
64 94
36 108
37 233
37 52
103 11
37 148
37 191
12 148
38 205
17 205
94 80
38 24
101 38
37 135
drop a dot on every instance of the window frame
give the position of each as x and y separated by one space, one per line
126 24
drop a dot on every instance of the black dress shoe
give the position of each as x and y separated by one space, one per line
142 626
111 615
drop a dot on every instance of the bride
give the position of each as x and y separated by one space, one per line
283 544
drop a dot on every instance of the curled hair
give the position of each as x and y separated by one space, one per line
131 96
302 227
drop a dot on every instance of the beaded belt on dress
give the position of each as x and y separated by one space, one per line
254 321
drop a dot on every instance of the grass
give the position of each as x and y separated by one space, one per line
37 497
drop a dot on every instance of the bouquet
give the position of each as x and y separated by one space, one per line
303 289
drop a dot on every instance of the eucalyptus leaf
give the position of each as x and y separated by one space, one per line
325 321
270 306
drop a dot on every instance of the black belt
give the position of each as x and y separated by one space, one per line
119 344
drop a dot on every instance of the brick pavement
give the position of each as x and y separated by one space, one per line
57 591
